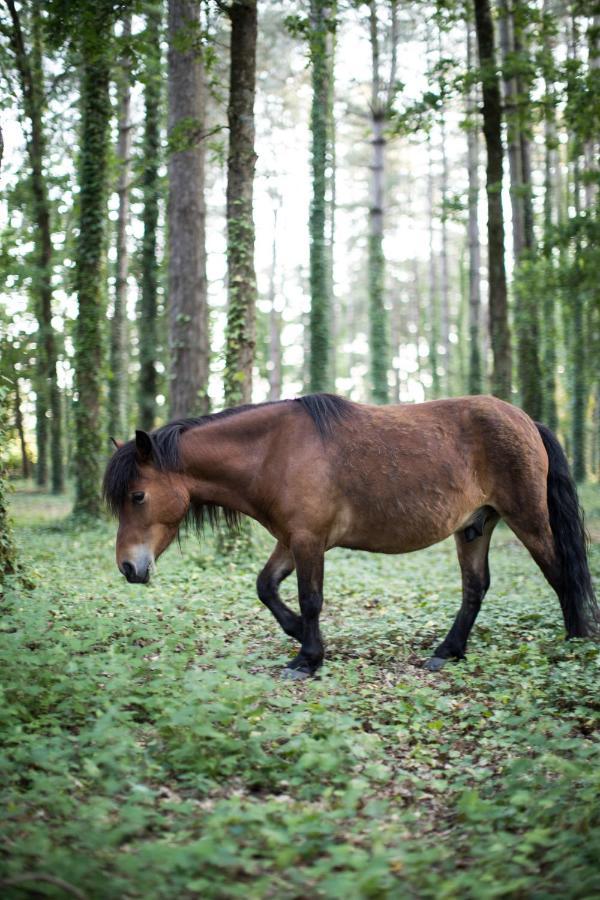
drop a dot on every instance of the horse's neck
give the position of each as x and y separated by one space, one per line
223 458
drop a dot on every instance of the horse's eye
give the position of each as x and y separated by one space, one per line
137 497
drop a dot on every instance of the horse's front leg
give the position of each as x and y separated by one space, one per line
280 565
308 553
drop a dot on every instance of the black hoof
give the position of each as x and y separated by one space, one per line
294 674
434 664
300 667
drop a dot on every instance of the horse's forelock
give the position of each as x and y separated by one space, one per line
121 471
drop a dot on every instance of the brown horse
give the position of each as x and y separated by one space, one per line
322 472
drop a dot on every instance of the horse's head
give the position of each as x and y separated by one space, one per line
151 503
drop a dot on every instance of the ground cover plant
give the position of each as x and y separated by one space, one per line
150 748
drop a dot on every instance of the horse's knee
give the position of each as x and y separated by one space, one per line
264 586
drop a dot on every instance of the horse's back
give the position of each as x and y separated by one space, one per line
410 475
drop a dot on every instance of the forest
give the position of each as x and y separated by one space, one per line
210 203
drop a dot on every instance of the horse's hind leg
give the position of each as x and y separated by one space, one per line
473 559
532 527
280 565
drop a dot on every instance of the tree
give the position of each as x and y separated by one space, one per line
95 111
147 317
186 213
433 290
7 547
383 92
549 281
492 130
515 59
320 300
117 396
275 355
444 267
475 377
28 62
241 161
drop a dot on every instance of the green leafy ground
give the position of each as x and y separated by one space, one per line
150 748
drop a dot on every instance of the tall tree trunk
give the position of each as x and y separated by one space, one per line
592 144
241 310
576 337
551 162
147 318
188 308
320 301
444 275
526 315
379 341
275 355
20 431
475 378
7 547
332 200
492 129
382 94
29 68
95 119
434 297
117 394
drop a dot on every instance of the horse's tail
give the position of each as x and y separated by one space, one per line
576 592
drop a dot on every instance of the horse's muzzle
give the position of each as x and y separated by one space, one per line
133 576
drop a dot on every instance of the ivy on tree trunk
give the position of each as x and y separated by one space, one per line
475 378
117 394
241 309
28 62
320 301
147 318
89 376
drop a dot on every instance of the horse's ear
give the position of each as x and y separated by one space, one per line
143 446
117 444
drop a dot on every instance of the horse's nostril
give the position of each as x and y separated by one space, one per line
128 570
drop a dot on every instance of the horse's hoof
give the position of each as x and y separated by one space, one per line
294 674
434 663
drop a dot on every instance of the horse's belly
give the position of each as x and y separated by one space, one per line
389 527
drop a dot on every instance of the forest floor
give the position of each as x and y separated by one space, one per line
150 748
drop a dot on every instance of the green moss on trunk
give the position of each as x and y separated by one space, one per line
95 118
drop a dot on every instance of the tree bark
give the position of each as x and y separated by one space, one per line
29 69
241 311
331 206
382 94
20 431
526 315
492 129
7 546
117 395
551 162
475 377
147 318
188 308
320 323
444 274
93 169
275 355
434 297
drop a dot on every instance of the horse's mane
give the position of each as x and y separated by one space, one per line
325 410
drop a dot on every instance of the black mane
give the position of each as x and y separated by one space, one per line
325 410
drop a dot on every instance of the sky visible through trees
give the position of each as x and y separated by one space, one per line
403 215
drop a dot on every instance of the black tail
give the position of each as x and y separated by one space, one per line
576 592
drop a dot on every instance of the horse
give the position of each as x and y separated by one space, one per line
320 471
